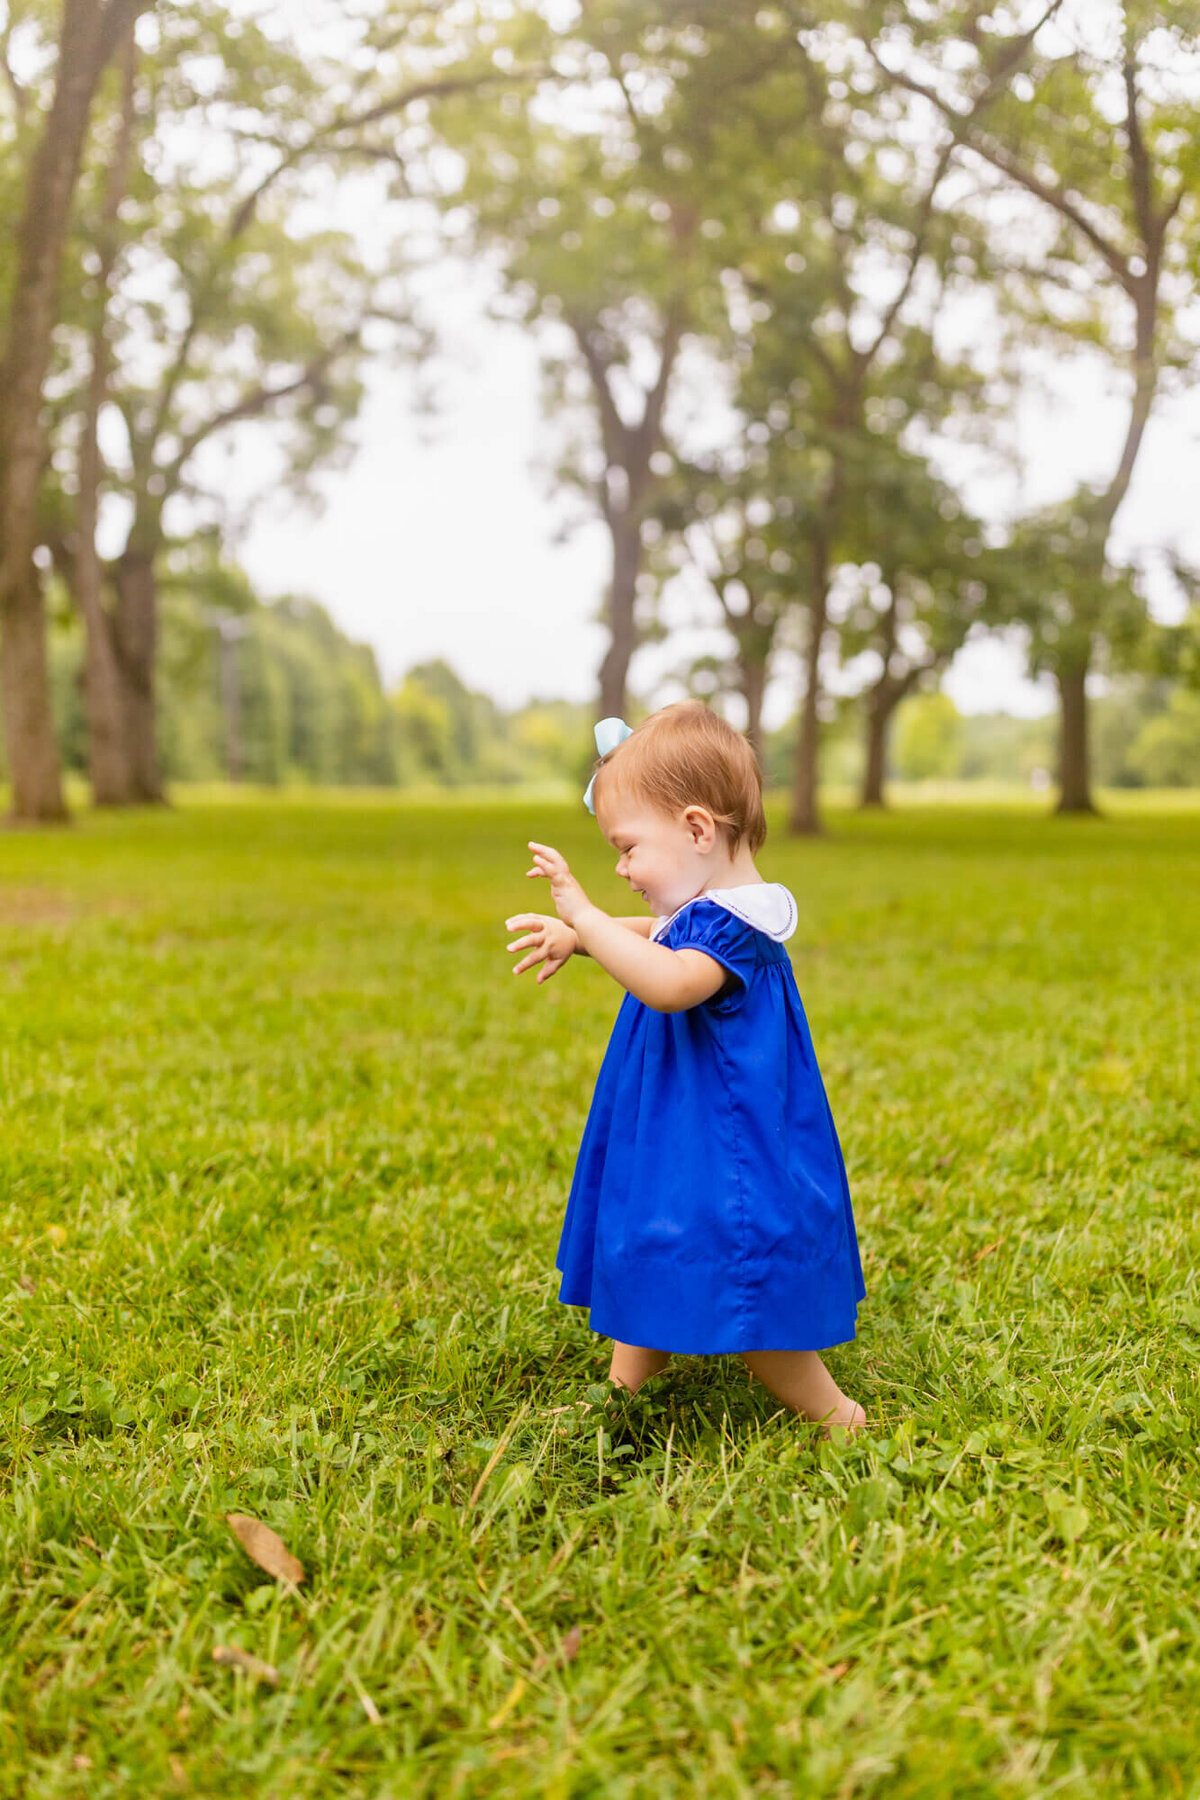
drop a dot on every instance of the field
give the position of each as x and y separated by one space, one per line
283 1161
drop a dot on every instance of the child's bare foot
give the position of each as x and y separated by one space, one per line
854 1421
802 1382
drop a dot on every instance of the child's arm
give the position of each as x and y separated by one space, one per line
551 942
667 980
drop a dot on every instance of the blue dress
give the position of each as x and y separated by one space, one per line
709 1210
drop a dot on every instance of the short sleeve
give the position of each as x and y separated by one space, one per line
727 939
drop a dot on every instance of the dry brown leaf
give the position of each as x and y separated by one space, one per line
263 1547
566 1653
230 1657
28 1283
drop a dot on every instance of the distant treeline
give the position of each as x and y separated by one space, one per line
277 693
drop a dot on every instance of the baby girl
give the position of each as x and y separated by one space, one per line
709 1212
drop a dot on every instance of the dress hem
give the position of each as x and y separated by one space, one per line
718 1349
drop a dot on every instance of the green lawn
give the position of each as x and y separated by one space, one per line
284 1156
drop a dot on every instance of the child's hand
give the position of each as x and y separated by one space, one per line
568 897
548 941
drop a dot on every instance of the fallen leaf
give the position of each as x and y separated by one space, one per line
987 1250
28 1283
81 1762
57 1235
89 1542
263 1547
566 1653
230 1657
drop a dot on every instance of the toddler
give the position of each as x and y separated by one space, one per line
709 1211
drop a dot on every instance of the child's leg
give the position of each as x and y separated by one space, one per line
800 1379
631 1365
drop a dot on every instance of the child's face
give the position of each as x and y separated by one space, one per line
664 858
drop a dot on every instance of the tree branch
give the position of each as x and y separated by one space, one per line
650 429
916 254
313 145
1141 174
1054 196
613 429
254 403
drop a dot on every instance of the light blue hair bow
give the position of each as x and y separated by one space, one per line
609 733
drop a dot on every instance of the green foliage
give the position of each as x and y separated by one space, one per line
999 747
1166 752
284 1157
929 738
308 704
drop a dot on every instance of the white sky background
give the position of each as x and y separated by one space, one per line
443 537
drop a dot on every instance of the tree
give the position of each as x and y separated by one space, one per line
929 739
1166 751
90 33
1101 138
910 609
603 207
720 520
838 360
213 306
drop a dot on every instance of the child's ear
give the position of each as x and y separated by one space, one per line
702 826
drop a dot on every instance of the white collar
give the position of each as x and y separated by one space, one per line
766 905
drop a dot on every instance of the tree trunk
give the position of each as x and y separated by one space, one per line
805 815
754 687
88 36
622 623
137 643
109 764
1074 763
33 760
230 684
879 719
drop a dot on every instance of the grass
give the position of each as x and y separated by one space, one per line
283 1161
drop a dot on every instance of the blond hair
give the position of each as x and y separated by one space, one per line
687 755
